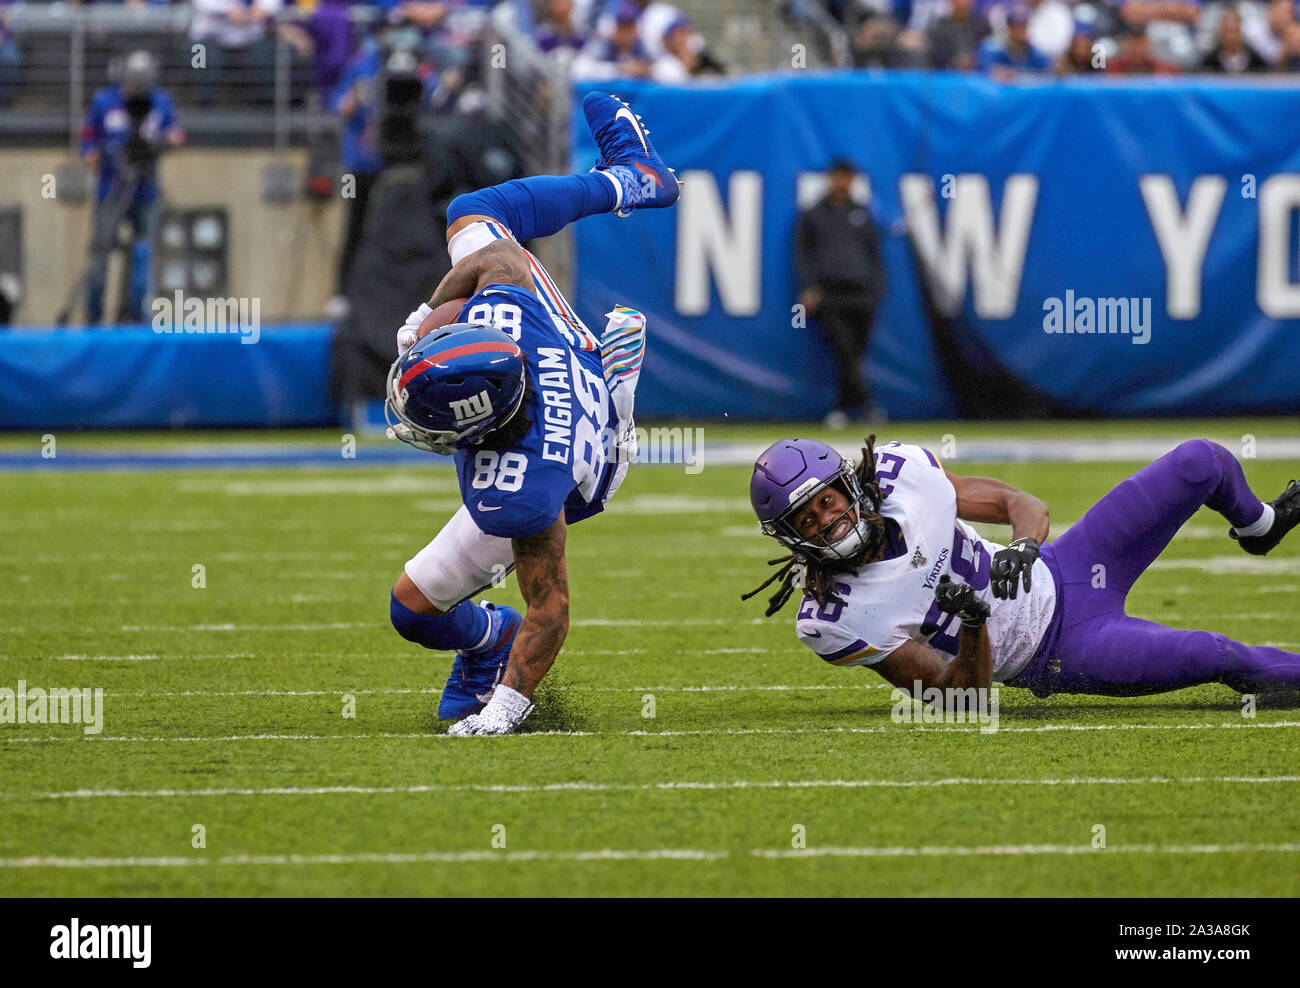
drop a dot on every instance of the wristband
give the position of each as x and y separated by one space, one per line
418 316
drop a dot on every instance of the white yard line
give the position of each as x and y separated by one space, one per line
399 691
703 732
105 658
655 854
328 626
337 625
1015 850
424 857
667 786
1236 616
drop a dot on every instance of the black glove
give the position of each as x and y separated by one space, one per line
960 599
1009 565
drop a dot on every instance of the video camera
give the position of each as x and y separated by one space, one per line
137 75
399 97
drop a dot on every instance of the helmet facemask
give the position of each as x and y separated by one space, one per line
848 546
444 443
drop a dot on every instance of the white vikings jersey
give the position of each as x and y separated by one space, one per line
891 601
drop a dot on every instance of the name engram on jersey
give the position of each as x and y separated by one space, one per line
563 462
891 601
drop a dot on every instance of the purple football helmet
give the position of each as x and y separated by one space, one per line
787 476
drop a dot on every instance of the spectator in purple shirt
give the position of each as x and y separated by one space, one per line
555 31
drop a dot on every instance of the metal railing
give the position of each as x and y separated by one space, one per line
258 94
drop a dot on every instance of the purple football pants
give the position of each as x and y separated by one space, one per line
1091 645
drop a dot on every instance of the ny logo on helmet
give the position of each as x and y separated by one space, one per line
473 409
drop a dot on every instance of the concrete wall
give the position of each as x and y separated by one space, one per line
284 255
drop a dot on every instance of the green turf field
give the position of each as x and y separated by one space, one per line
224 708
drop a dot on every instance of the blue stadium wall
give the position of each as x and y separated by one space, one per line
134 378
991 200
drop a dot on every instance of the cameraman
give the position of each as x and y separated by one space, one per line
129 123
379 98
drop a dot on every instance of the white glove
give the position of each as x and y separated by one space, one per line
506 709
406 335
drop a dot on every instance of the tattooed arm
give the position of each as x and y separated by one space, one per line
544 582
502 262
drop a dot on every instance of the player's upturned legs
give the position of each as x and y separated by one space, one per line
630 175
627 155
1118 655
1127 529
538 206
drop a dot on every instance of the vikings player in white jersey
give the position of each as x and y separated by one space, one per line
894 578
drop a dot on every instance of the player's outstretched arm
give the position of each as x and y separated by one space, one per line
913 662
544 582
986 499
914 668
502 262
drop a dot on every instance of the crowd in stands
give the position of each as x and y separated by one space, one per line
334 45
599 38
648 39
623 39
1006 38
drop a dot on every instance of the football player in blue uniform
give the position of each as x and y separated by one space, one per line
533 407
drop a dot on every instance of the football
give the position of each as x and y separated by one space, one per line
443 315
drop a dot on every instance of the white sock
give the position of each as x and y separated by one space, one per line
1260 527
487 635
618 190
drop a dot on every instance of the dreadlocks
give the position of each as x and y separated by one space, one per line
816 575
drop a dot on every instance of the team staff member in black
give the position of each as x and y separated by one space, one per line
841 281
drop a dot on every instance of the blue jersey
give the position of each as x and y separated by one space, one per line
562 464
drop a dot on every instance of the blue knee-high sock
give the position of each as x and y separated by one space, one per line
538 206
465 626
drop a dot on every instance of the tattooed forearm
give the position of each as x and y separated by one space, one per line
502 262
543 580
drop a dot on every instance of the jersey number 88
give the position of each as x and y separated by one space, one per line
503 316
505 471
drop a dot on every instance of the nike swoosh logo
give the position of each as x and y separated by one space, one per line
812 634
489 507
647 170
631 118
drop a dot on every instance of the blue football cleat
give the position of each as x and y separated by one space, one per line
474 673
627 155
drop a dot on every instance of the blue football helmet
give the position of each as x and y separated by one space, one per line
453 387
